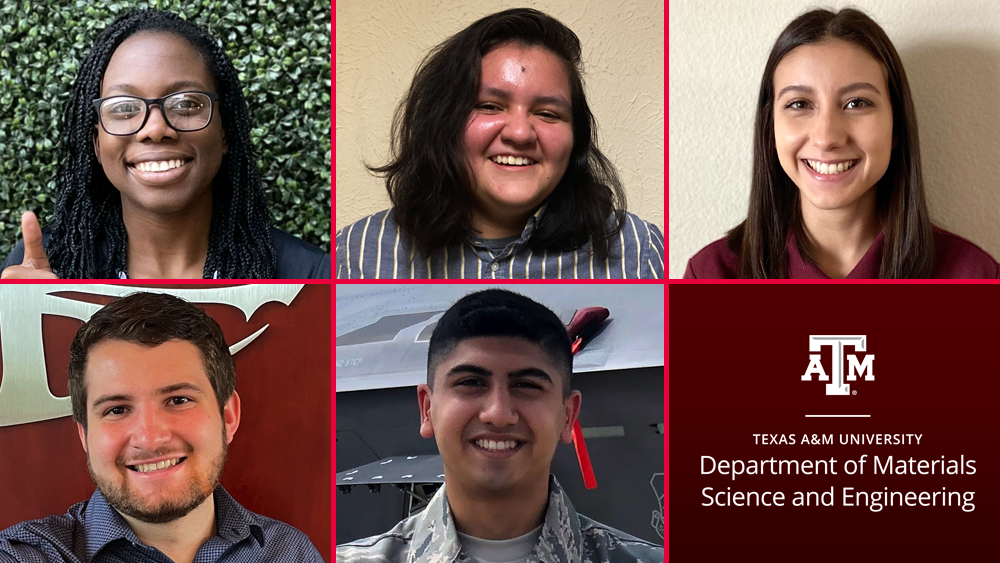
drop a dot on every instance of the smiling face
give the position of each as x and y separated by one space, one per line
155 440
519 137
832 124
497 413
152 65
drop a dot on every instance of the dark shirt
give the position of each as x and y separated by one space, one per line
374 247
954 258
92 531
296 258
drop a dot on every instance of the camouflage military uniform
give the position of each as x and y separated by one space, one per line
430 537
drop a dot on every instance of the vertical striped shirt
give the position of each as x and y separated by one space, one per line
373 248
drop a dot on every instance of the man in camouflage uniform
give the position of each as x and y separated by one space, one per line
497 402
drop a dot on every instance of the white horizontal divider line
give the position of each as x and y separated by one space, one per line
838 416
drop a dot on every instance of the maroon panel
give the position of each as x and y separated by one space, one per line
279 460
737 357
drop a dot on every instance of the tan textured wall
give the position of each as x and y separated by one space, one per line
718 48
380 44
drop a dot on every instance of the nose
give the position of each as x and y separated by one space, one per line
156 128
830 131
150 430
499 410
518 129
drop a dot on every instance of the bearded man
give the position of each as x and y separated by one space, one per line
153 390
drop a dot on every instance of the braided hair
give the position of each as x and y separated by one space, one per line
88 212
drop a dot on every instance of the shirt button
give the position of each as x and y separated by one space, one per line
495 266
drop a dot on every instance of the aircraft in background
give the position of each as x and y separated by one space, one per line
387 471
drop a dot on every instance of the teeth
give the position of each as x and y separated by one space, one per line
512 160
159 166
496 446
824 168
147 467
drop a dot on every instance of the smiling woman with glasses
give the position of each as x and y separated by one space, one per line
161 180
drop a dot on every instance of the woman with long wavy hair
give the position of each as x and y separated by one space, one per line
495 170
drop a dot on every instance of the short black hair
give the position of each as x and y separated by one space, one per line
498 312
429 183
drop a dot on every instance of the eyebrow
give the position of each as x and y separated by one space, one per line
490 91
161 391
535 373
532 372
849 88
172 87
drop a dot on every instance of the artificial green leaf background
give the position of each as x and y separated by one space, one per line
280 49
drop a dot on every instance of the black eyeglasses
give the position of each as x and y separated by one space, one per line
182 111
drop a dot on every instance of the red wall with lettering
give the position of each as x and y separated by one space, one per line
279 460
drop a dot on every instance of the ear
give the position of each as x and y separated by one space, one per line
83 436
572 411
424 400
231 416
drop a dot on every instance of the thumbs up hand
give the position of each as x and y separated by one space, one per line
36 263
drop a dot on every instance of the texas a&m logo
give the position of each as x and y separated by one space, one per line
855 368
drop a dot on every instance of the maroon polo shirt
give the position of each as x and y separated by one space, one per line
954 258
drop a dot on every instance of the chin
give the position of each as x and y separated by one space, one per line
163 202
496 484
828 201
516 198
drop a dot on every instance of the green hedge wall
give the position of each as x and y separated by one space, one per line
281 50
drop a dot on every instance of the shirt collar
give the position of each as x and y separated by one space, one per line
435 537
799 267
529 229
233 522
104 525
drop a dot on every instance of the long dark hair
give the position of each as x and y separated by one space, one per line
88 212
427 177
774 200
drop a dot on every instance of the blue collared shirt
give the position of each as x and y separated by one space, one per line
92 531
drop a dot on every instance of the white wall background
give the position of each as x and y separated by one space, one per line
380 44
950 51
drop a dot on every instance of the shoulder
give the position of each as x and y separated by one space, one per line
604 543
361 244
45 539
390 546
298 259
715 261
956 257
648 240
282 540
644 231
